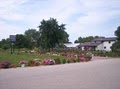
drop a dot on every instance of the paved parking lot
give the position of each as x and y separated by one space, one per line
98 74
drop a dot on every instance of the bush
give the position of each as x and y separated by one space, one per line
82 57
5 64
63 61
88 56
67 61
71 59
5 46
57 60
13 66
48 62
77 60
34 63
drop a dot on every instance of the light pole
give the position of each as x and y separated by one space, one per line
12 48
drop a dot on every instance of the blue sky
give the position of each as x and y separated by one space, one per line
82 17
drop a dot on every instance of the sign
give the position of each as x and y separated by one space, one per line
12 38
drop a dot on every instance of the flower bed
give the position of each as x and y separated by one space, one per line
34 62
5 64
48 62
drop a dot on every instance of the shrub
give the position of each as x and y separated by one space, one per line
34 63
5 46
63 61
57 60
5 64
77 60
71 59
88 56
82 57
48 62
13 66
67 61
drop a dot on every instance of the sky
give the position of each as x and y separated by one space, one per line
82 17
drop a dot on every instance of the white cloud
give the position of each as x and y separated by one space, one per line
96 18
7 30
9 9
83 17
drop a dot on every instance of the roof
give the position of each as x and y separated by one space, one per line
105 39
71 44
96 42
92 44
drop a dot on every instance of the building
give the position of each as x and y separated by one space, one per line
71 45
101 44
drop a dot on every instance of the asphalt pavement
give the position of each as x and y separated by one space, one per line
96 74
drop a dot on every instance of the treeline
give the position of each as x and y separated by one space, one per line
50 35
86 39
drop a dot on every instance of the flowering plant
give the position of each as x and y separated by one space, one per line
5 64
88 56
34 62
48 62
23 62
82 57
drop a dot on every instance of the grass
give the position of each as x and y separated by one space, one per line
15 58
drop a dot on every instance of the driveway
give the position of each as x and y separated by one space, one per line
98 74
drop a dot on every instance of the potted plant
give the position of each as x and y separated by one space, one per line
23 63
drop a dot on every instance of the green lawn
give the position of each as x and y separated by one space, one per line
15 58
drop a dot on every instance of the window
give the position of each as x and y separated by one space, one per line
102 41
105 47
111 47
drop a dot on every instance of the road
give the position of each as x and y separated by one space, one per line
96 74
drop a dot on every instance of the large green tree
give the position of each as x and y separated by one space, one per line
52 34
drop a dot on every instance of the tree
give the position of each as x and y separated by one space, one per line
5 44
32 38
117 33
52 34
20 41
116 45
86 39
65 37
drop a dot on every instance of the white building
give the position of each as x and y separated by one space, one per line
101 44
71 45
